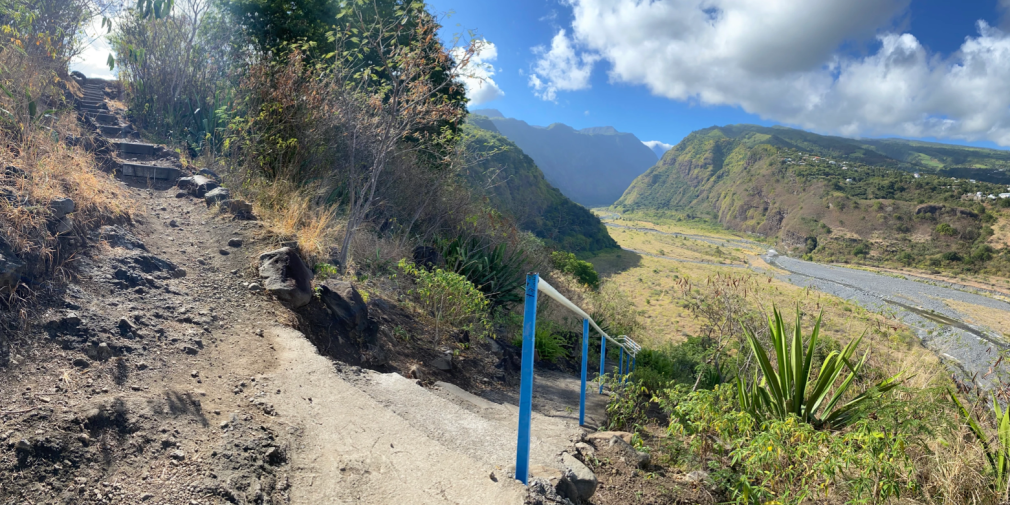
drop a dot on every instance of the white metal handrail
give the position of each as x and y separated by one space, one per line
624 341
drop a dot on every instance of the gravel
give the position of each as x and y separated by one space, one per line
965 348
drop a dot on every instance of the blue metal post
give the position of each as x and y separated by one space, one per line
603 360
585 371
621 368
633 358
526 380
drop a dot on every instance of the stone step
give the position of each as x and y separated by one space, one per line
135 148
89 104
104 119
110 130
150 172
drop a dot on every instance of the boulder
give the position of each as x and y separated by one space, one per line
587 451
286 277
206 172
197 185
62 225
346 305
552 484
217 196
582 478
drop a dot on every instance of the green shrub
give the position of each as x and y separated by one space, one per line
324 271
628 404
784 460
449 297
945 230
862 249
583 271
982 253
678 363
547 342
951 256
906 258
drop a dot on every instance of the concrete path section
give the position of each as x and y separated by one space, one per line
353 449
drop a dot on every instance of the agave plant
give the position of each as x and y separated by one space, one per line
997 452
495 271
787 388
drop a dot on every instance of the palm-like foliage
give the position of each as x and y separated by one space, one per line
787 388
997 452
495 270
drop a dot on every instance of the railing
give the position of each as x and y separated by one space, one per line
535 285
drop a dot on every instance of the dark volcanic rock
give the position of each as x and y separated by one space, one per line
346 305
10 266
217 196
197 185
116 236
286 277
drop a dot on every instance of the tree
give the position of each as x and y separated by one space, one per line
388 95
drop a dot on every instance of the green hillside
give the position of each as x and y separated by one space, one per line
833 198
591 166
514 184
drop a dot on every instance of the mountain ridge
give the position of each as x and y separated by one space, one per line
513 183
830 196
592 166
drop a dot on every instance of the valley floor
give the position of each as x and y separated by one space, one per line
964 324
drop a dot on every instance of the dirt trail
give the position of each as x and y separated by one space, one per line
164 379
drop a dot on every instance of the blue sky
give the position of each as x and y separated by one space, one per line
850 73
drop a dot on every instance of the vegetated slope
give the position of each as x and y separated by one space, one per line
591 166
833 198
514 185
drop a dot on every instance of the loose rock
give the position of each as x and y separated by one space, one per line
443 362
580 476
217 196
286 277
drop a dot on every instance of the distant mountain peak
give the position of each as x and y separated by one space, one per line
600 130
592 166
491 113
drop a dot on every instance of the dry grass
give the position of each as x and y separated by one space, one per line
995 319
292 215
54 170
653 286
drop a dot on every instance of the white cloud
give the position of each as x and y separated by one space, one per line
783 60
560 68
477 73
92 60
658 146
